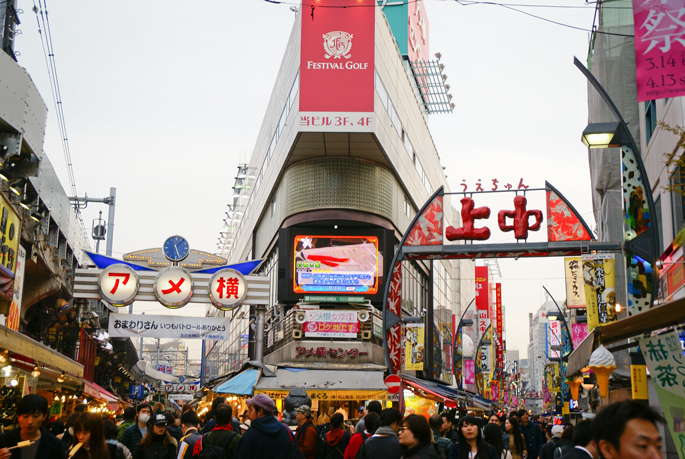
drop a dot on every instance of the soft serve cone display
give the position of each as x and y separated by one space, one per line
602 363
574 384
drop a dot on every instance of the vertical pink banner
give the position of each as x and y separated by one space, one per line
659 47
579 332
506 397
469 371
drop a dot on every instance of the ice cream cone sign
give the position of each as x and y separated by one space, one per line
574 383
602 363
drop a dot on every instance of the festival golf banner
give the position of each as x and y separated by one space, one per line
599 277
659 47
664 357
151 326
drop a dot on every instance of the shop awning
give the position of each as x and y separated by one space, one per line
23 345
325 384
241 384
440 392
580 356
95 391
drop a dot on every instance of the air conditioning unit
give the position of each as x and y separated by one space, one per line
297 334
366 335
363 316
300 317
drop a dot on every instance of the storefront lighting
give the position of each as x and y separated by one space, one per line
60 379
3 356
618 307
14 383
6 370
36 372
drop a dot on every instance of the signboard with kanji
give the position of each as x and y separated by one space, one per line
331 324
118 284
227 289
173 287
153 326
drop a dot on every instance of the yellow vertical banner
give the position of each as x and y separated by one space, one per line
599 279
638 382
414 346
575 287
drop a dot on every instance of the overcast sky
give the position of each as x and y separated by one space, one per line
162 100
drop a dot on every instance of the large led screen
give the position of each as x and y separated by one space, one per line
345 265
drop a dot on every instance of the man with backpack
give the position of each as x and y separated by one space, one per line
547 451
221 442
306 432
266 437
189 423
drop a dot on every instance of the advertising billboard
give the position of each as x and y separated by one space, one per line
482 294
314 262
337 66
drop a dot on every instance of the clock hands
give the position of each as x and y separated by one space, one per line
176 247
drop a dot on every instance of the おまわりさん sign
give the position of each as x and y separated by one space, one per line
152 326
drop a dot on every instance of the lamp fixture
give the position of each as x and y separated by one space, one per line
36 372
60 379
602 135
618 307
4 355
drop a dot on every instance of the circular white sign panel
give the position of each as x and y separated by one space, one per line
118 284
173 287
227 289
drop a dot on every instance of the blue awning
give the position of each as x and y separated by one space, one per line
241 384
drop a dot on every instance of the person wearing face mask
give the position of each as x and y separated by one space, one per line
157 443
135 433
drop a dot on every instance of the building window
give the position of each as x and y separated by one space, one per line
650 120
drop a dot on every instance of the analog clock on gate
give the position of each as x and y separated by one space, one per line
176 248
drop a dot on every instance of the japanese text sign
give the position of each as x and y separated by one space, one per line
118 284
337 62
664 357
499 327
173 287
579 332
482 288
153 326
227 289
553 338
599 276
659 47
330 352
575 290
414 346
331 324
469 372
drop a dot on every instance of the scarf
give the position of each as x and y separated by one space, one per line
386 430
225 427
334 436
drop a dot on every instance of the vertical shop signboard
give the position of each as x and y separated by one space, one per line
664 357
17 293
638 382
414 346
482 292
553 338
337 66
469 371
579 332
499 326
599 277
575 290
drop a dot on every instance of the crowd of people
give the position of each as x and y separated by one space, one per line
624 430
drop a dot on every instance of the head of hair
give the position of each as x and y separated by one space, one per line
464 446
613 420
337 421
582 433
568 433
223 414
146 442
111 430
435 422
371 422
388 417
169 418
129 413
216 402
80 408
142 406
190 419
521 412
158 408
374 406
449 416
187 407
92 422
419 428
492 435
32 403
57 427
519 445
71 420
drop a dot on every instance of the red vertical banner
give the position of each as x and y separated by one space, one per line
659 47
337 64
482 292
499 363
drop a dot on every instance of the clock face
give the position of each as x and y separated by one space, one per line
176 248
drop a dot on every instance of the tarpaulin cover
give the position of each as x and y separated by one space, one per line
241 384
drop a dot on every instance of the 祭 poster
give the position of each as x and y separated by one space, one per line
575 290
599 279
414 346
469 371
579 332
659 46
666 363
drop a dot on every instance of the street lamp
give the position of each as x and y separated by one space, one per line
604 135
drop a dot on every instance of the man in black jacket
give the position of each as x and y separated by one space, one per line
189 422
384 444
135 433
584 444
32 410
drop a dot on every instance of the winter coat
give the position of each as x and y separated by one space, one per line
512 447
266 438
444 443
117 450
547 451
562 448
534 438
125 425
380 447
50 447
176 432
157 450
306 439
131 437
423 451
185 448
452 435
335 449
215 438
454 452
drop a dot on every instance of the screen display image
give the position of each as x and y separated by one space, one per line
337 264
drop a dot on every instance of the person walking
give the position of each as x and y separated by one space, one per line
222 436
584 446
337 438
173 429
532 433
135 432
494 419
190 422
565 445
517 443
447 428
157 442
384 443
470 443
547 451
32 410
492 435
628 430
358 439
306 432
266 437
416 439
89 439
444 444
374 406
129 420
111 432
209 425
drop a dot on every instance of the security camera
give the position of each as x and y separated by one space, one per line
423 312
